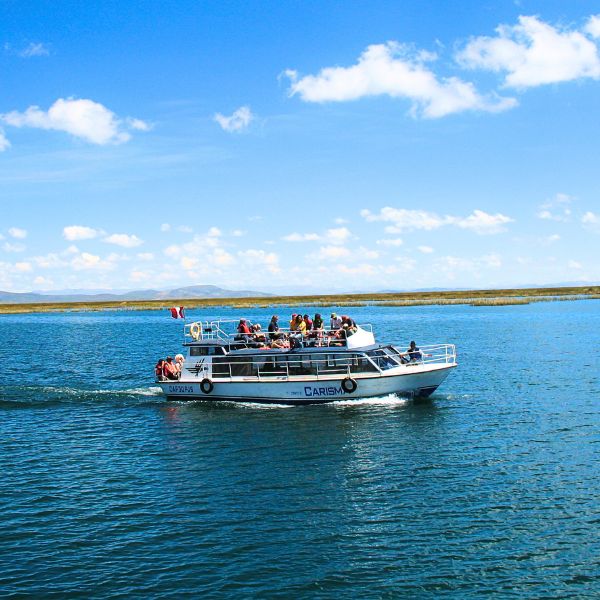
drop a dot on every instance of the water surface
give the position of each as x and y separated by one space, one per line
490 487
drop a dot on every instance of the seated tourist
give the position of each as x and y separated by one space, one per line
244 331
159 370
257 334
309 322
300 325
274 328
293 322
335 323
169 369
318 322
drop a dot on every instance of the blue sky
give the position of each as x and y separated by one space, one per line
294 146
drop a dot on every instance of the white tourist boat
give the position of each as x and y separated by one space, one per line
221 364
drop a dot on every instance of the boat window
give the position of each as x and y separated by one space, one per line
206 350
381 359
198 351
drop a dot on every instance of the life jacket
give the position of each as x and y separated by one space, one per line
169 369
243 328
159 369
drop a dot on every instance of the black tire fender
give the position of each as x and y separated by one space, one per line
349 385
207 386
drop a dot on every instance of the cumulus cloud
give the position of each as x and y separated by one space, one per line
591 221
403 219
23 267
482 223
82 118
534 53
165 227
394 70
34 49
260 258
8 247
124 240
4 143
17 233
593 26
425 249
80 232
301 237
331 253
86 261
556 209
236 122
335 235
390 242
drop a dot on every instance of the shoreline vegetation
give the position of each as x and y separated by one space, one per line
502 297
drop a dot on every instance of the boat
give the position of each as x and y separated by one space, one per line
284 367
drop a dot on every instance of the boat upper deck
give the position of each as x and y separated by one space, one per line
224 333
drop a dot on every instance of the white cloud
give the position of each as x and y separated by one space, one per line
87 261
403 219
146 256
124 240
534 53
337 235
43 281
573 264
185 229
591 221
556 209
332 253
551 239
81 118
238 233
390 242
165 227
260 258
23 267
4 143
8 247
301 237
593 26
214 232
80 232
425 249
392 69
237 122
34 49
483 223
17 233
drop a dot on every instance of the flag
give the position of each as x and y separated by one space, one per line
178 313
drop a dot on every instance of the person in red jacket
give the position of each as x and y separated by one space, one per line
169 369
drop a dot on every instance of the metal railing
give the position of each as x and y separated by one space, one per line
281 365
220 331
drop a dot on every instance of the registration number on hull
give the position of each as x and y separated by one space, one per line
180 389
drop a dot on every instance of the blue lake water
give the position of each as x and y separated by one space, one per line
491 487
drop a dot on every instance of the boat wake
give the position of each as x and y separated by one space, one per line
388 400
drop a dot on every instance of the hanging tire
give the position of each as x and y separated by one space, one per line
349 385
207 386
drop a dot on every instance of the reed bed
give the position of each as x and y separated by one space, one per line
482 298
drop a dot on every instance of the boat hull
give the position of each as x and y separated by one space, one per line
407 381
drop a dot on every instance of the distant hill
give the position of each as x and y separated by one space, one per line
191 292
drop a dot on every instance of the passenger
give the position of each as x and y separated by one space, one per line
300 325
293 322
159 370
169 369
280 342
352 328
309 322
335 322
318 322
412 354
244 331
274 328
257 334
179 360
